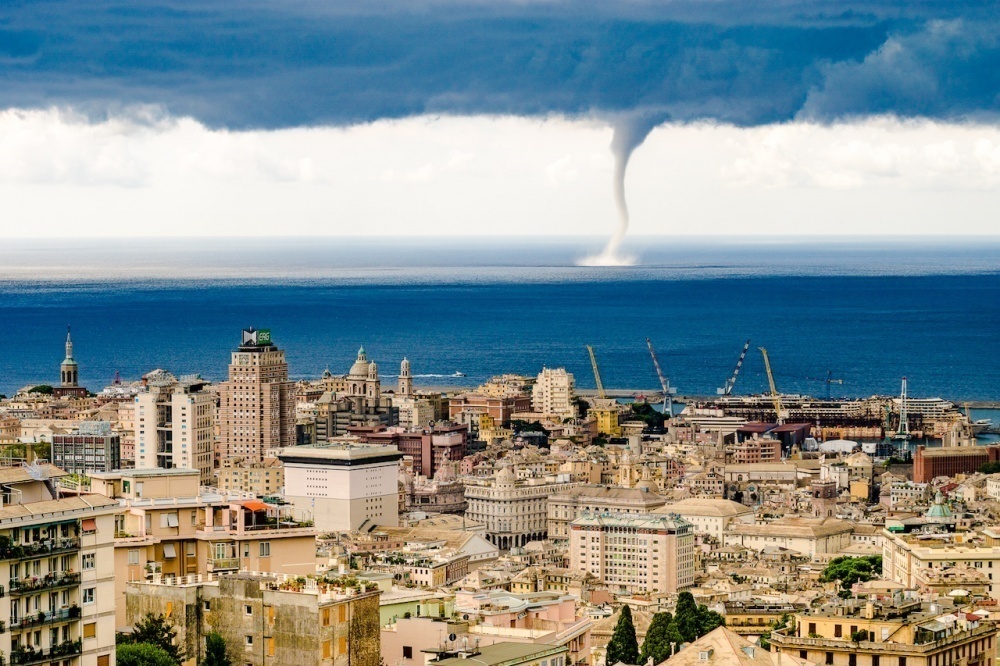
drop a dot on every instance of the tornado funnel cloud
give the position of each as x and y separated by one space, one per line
629 133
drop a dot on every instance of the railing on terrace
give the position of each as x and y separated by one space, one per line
33 584
21 656
17 551
780 639
224 563
41 618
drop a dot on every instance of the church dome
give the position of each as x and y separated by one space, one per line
505 477
647 486
360 367
445 473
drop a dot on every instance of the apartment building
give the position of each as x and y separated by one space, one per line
257 403
93 447
890 628
906 558
168 526
812 537
175 425
552 393
565 507
267 618
266 477
630 553
56 553
344 486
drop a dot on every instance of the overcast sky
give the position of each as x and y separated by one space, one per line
468 117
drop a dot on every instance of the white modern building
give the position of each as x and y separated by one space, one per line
552 393
343 487
174 425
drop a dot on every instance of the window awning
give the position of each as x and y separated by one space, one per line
255 505
88 525
169 551
172 520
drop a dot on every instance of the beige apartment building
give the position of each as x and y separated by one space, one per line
266 477
909 559
56 560
890 630
514 511
634 553
816 538
552 393
167 526
565 507
267 618
257 403
174 423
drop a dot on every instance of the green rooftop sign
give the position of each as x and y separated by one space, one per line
264 336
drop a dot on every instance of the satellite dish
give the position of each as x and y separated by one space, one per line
452 637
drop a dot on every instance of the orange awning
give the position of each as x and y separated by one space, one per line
89 525
254 505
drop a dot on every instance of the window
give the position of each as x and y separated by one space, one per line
87 561
248 641
248 610
133 556
407 652
88 595
104 660
838 631
265 549
902 661
206 605
326 649
342 614
802 654
852 659
326 617
875 660
90 630
270 647
342 645
829 658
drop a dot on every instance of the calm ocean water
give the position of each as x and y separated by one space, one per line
869 312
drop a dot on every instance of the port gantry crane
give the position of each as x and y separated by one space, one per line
727 388
903 431
668 391
597 373
775 396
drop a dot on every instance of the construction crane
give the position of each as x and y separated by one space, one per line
597 373
829 381
903 431
727 388
668 391
774 391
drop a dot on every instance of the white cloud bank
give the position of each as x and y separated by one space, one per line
149 175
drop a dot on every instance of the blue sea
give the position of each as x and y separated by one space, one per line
864 311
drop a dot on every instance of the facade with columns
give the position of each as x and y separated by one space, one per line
514 511
353 400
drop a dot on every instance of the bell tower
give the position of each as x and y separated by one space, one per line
405 379
68 369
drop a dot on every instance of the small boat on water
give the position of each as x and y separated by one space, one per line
458 374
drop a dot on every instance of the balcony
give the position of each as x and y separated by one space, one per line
46 582
20 551
30 655
784 642
223 564
41 618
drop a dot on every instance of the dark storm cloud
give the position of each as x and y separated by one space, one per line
279 64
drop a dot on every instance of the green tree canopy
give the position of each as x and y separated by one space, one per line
41 389
851 570
989 468
644 412
143 654
215 651
623 646
657 642
154 630
686 617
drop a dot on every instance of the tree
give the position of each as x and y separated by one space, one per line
989 468
657 643
644 412
155 630
41 389
143 654
851 570
623 646
708 620
215 651
686 617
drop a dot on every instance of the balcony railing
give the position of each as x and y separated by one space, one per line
18 551
21 656
41 618
788 642
46 582
223 563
